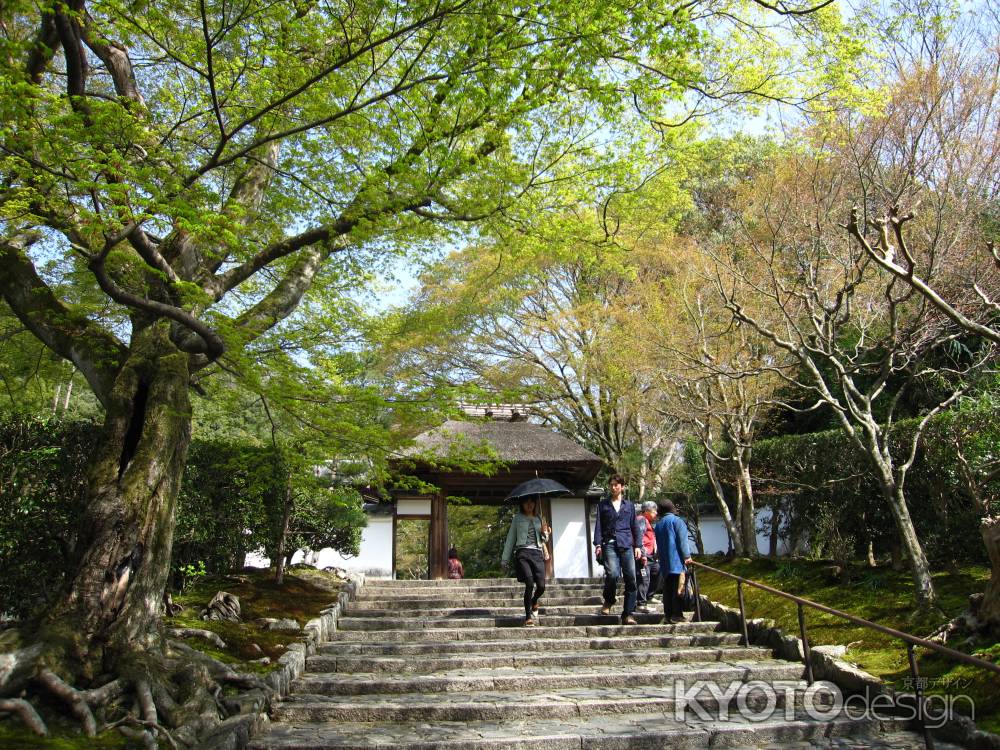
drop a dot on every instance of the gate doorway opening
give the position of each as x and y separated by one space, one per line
411 544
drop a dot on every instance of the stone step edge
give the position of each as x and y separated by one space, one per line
554 631
558 610
552 736
642 670
466 681
385 584
585 735
595 643
351 622
388 605
470 707
365 664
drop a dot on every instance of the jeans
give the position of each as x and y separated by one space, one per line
648 580
619 562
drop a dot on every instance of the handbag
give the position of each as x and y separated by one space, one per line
686 594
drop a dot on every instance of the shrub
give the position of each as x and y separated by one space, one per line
230 504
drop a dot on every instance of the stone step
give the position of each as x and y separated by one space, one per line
396 583
499 705
509 587
431 664
343 648
351 622
548 678
498 600
622 732
464 632
422 665
514 610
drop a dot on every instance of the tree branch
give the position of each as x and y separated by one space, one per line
67 332
886 263
205 341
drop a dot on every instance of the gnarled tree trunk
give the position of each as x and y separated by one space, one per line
111 602
989 609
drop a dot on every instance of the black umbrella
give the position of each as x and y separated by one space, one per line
539 487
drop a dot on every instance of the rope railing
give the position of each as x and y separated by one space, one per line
911 641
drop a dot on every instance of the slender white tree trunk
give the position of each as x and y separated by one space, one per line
720 499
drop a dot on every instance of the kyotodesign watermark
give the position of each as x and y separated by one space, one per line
758 700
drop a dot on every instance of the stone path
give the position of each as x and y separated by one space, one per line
418 665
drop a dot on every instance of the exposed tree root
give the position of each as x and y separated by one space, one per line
172 697
74 698
146 731
26 713
106 693
208 635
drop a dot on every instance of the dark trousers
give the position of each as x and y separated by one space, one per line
619 562
671 600
530 567
648 580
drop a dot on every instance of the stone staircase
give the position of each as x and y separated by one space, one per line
445 664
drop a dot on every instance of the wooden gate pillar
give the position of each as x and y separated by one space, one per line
438 552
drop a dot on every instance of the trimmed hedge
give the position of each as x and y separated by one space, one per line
834 505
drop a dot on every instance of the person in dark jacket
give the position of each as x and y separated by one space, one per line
525 540
618 544
675 556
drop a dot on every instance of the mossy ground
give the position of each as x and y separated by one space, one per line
880 595
304 594
13 737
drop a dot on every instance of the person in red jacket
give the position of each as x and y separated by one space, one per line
455 569
649 570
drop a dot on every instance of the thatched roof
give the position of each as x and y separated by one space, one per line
526 450
512 441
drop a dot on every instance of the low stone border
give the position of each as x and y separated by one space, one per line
828 665
252 718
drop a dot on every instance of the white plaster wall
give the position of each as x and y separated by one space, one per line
417 506
569 538
715 538
375 557
713 535
375 553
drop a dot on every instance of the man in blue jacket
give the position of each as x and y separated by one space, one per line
675 555
618 544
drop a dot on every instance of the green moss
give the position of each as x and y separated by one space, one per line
16 738
304 594
882 596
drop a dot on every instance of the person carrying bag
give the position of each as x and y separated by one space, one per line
526 541
672 545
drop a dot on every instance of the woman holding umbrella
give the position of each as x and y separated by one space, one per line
525 539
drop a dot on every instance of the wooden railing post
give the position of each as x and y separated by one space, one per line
743 613
805 643
918 694
697 594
